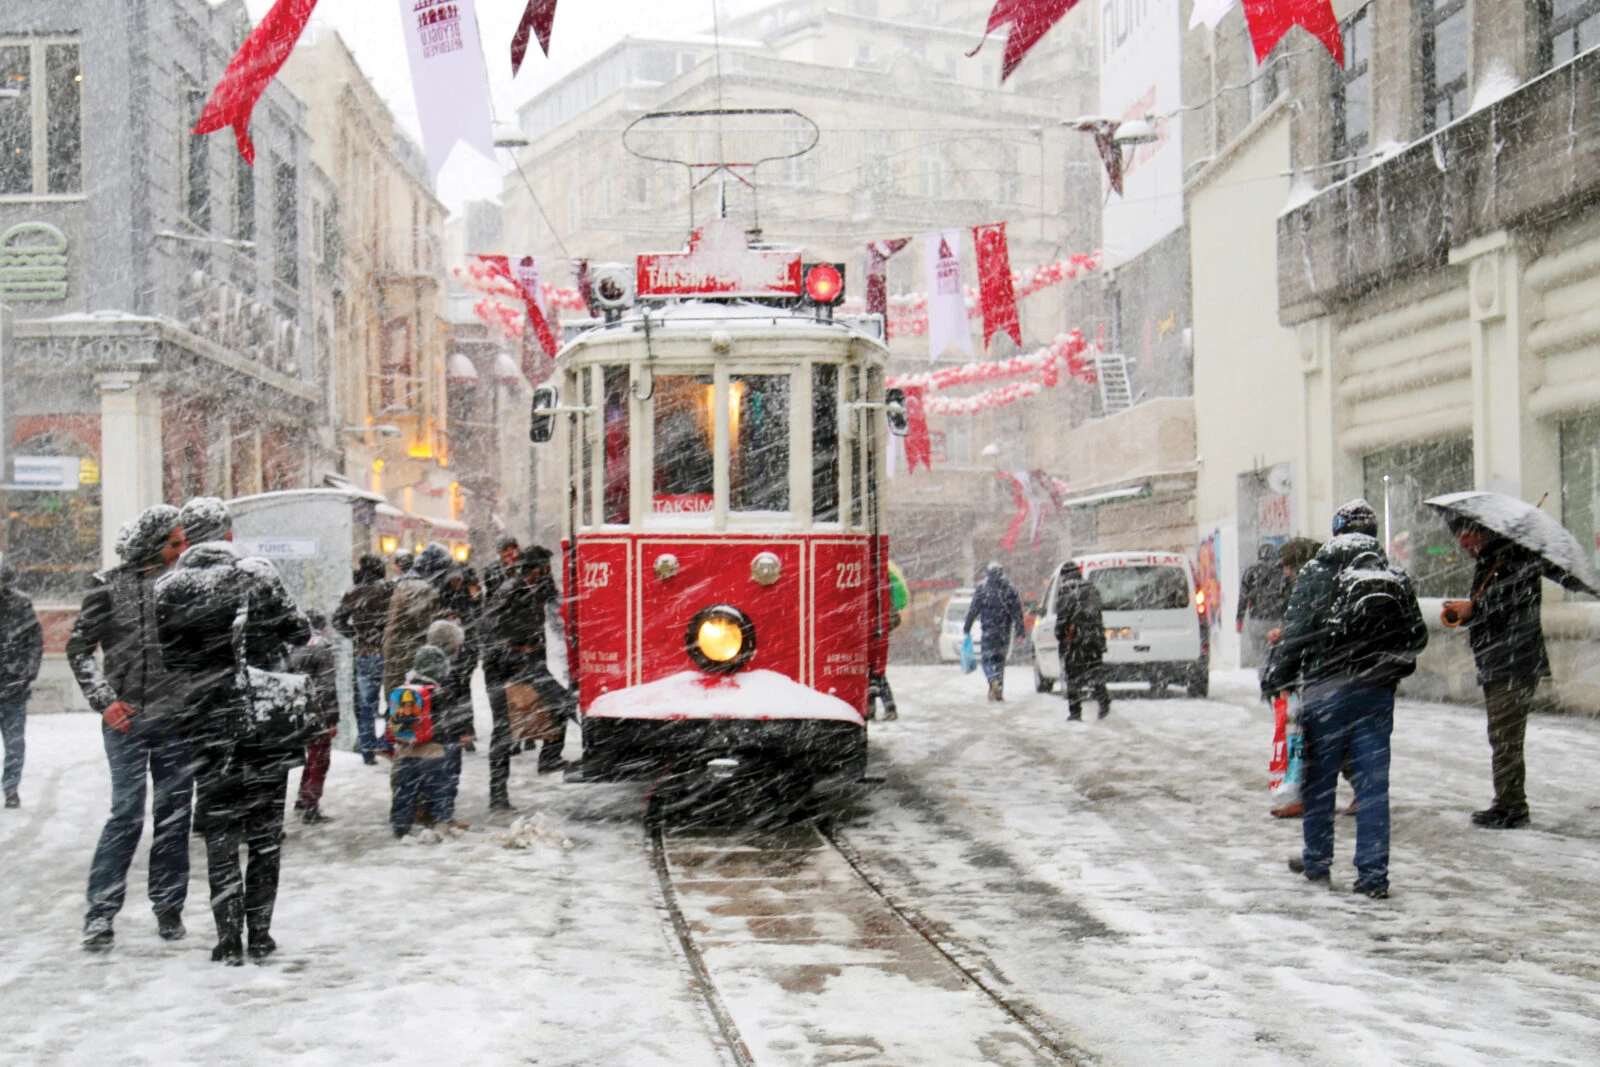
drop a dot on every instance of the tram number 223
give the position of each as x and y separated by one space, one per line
596 575
849 575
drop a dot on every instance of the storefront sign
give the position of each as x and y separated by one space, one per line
33 263
279 547
1139 63
46 472
684 504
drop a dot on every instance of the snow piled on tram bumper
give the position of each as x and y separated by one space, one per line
748 695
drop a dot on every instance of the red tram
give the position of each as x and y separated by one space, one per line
725 561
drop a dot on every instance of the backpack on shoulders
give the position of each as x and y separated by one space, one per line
410 714
1374 615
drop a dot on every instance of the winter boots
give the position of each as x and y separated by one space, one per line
996 691
169 924
1495 819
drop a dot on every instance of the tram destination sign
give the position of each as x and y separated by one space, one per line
719 262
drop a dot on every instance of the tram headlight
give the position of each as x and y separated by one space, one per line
720 639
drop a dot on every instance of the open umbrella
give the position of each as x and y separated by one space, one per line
1524 524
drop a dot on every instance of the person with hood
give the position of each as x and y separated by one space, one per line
461 601
132 689
314 659
241 781
996 605
515 631
1507 639
362 614
21 652
417 600
1080 641
1352 631
452 713
1263 598
421 770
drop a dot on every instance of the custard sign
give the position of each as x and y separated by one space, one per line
719 262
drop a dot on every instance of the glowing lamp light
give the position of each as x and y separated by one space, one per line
462 552
1200 601
824 284
719 639
388 544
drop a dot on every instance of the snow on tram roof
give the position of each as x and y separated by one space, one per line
687 316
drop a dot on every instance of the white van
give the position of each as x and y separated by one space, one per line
950 635
1155 623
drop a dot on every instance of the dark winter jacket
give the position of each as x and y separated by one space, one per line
196 604
412 609
118 618
362 614
1306 656
1264 589
1507 638
996 605
1080 627
315 661
21 645
514 626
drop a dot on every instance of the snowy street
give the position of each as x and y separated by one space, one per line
1121 877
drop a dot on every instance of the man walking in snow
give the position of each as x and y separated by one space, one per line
1080 641
1353 630
997 607
241 781
1508 647
136 697
1263 598
362 614
514 625
21 651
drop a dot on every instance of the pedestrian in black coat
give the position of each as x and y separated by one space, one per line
997 607
138 700
1507 638
362 615
314 659
1080 641
241 785
514 633
21 651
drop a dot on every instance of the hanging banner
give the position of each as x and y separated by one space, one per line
947 296
500 266
1140 56
919 448
250 71
448 76
878 255
995 292
1269 20
536 21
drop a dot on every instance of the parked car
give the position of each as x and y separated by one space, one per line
1156 628
950 636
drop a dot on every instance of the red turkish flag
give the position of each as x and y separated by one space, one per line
536 20
995 292
500 266
1030 20
255 65
1269 20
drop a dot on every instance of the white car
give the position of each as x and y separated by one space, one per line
950 635
1155 621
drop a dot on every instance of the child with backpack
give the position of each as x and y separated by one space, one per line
420 767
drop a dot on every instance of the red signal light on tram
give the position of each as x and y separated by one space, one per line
824 284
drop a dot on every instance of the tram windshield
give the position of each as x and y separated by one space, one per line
758 436
684 478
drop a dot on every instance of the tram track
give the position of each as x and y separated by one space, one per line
801 953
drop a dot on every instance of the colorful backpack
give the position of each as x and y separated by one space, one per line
411 714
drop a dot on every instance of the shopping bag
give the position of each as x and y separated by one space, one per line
969 658
533 718
1286 772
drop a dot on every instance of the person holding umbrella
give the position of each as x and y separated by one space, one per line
1515 545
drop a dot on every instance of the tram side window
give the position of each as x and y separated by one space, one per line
857 491
758 430
616 445
825 442
683 479
586 478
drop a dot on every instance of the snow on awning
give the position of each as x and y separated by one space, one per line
1110 496
449 529
506 370
460 369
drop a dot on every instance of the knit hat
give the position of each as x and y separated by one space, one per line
432 561
431 663
1297 552
205 518
447 635
1356 517
142 536
506 542
369 568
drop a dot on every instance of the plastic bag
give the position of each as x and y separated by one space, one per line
969 657
1286 771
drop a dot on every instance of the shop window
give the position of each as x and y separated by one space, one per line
41 148
683 478
616 445
1397 481
1444 62
53 537
825 442
1352 93
1567 28
1580 482
758 436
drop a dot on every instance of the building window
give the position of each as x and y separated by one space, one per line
930 171
41 119
285 225
1397 481
244 200
1352 93
1580 482
1009 179
1567 28
1444 62
1268 84
395 377
863 55
195 162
